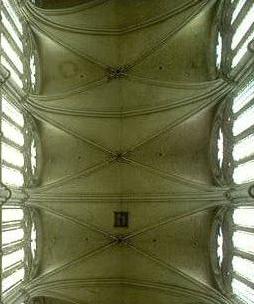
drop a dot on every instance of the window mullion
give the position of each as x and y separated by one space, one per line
243 254
242 41
242 228
11 225
12 122
12 269
27 157
11 228
13 286
12 41
244 134
12 166
1 205
238 153
2 7
16 228
243 109
19 197
12 144
243 160
8 59
241 16
233 8
15 47
13 202
1 239
243 280
14 246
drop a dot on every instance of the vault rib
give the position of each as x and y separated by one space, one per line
175 177
40 106
219 93
71 219
210 295
177 84
40 15
172 219
33 102
166 37
86 87
191 196
55 295
58 125
35 23
32 19
64 180
71 9
31 285
172 268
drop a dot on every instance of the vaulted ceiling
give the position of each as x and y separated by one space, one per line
125 111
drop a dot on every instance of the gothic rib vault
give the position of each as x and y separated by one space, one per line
125 110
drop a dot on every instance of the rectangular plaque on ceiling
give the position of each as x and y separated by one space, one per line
121 219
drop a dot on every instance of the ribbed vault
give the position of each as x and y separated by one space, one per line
126 105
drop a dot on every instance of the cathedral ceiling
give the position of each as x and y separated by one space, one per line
125 110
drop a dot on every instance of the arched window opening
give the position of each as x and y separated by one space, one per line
235 34
219 51
19 246
233 237
243 253
233 233
233 133
19 151
232 144
19 146
18 52
243 132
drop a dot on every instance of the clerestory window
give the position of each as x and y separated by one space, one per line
232 147
19 247
233 251
233 160
19 152
235 35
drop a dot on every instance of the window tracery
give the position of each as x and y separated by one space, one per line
232 249
233 261
233 154
237 32
19 151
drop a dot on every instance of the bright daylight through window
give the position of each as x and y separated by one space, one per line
234 157
19 147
